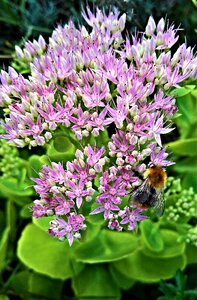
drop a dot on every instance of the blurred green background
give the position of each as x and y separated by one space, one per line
36 267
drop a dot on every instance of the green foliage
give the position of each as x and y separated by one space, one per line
172 247
177 290
106 247
46 255
184 148
30 285
94 281
4 247
139 266
151 236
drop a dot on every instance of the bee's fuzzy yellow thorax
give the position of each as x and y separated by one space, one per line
156 177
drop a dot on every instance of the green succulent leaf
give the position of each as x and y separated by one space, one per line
187 108
184 147
43 223
171 246
3 247
106 246
95 281
180 92
4 297
92 231
34 166
151 236
25 211
56 149
20 282
101 140
139 266
11 187
191 254
187 165
28 283
123 281
11 219
63 144
46 255
44 286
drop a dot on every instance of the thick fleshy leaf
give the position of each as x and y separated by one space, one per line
3 247
2 221
171 246
184 147
34 166
100 140
139 266
95 281
46 287
189 180
151 235
107 246
29 284
43 223
188 165
91 231
180 92
11 220
121 280
4 297
45 254
191 253
62 144
54 153
187 122
20 282
20 200
11 187
25 212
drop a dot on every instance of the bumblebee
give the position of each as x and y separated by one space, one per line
150 193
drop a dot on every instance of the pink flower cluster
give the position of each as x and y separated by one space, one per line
87 80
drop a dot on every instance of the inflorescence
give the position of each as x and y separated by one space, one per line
85 81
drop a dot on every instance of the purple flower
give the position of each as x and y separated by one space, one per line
93 155
111 192
99 121
122 143
94 93
155 127
77 191
158 156
63 206
69 229
119 113
131 217
38 209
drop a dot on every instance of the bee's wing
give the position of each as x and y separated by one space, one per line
141 194
159 204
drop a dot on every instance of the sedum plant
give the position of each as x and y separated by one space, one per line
97 102
110 97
